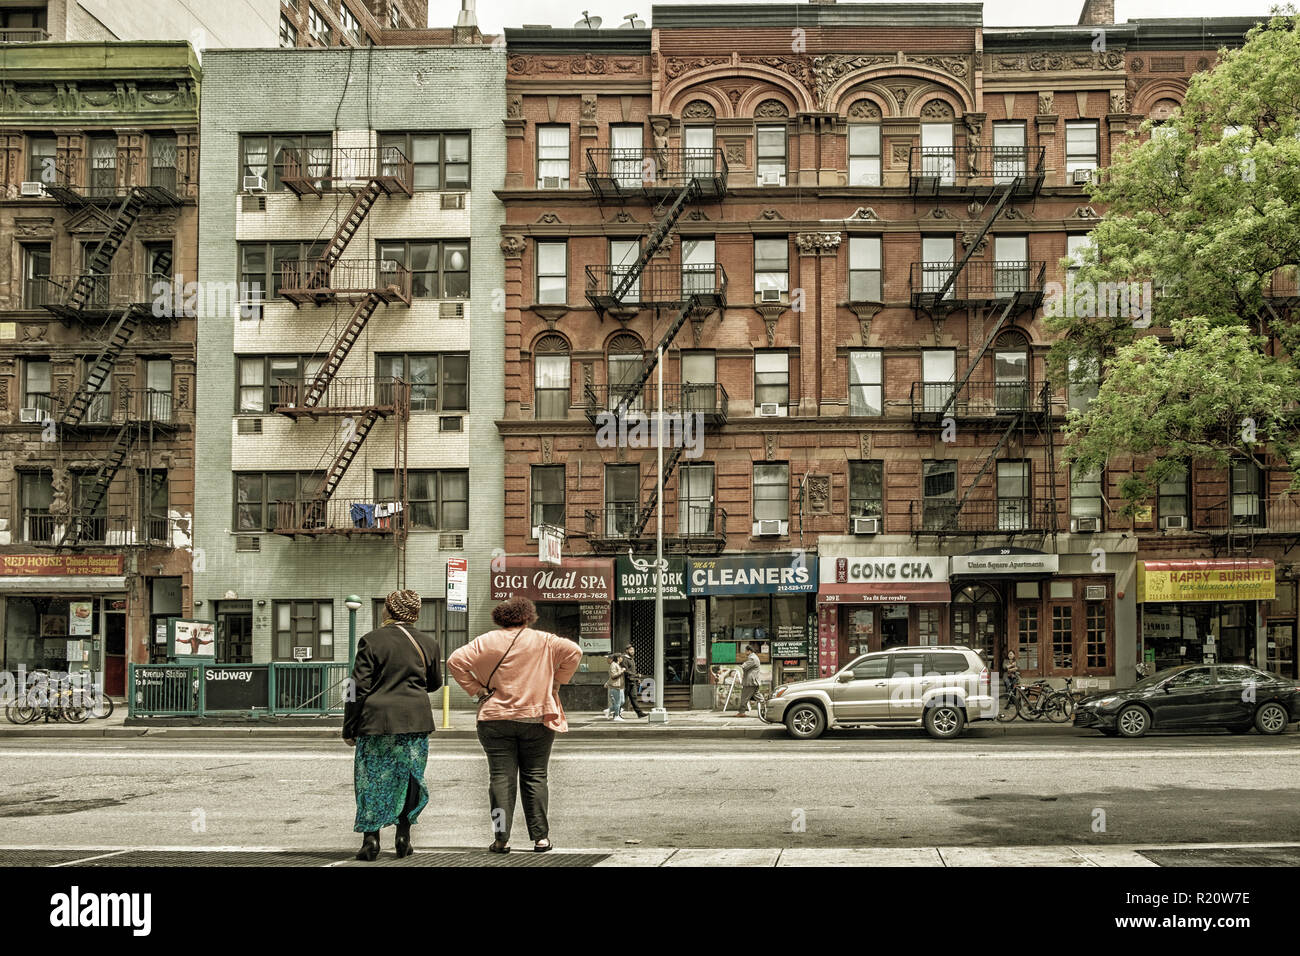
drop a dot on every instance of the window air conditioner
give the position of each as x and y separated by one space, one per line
1086 525
768 528
771 295
554 182
1173 523
1082 177
31 415
773 179
1094 592
32 189
254 184
866 526
771 410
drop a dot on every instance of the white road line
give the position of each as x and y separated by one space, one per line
86 859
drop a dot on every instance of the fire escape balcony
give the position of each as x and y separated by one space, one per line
106 294
961 172
980 516
136 406
40 529
29 35
689 528
707 399
164 190
343 396
979 284
661 285
995 403
313 517
318 171
1252 514
1283 288
311 280
655 173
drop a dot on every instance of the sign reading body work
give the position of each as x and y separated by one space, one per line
893 580
782 572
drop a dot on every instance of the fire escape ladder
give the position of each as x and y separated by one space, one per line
656 238
108 469
339 466
342 346
634 389
1050 436
1008 190
984 468
102 367
101 260
975 360
644 517
350 224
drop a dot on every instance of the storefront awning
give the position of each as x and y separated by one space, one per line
1225 579
883 579
87 584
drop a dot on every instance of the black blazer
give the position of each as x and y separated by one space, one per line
392 685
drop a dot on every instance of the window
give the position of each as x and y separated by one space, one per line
864 269
439 380
1013 496
1008 151
938 158
872 668
936 263
103 165
699 382
700 156
36 491
271 499
1076 251
1081 146
1084 384
262 265
623 254
436 500
36 385
553 157
551 378
1196 677
624 366
1027 637
939 493
1063 637
865 388
695 500
548 495
1010 265
439 270
1172 496
1085 494
626 141
158 385
866 490
449 628
928 629
938 373
263 154
42 159
699 268
36 274
1011 373
622 499
771 268
394 17
864 154
1095 643
349 23
320 30
23 18
771 492
100 408
1247 495
770 151
552 272
441 160
288 32
300 624
158 259
154 504
772 379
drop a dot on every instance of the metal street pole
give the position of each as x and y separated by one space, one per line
353 604
659 715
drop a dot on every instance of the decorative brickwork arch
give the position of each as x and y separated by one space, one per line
767 82
921 85
1147 97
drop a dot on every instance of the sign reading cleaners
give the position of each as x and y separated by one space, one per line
782 572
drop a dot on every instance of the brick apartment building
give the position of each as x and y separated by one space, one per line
98 213
839 223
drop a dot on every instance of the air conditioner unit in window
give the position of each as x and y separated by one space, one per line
770 295
772 410
769 528
866 526
1085 525
453 200
1094 592
451 310
555 182
31 189
1173 523
254 184
773 179
31 415
1081 177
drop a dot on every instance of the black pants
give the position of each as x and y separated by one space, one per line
518 754
631 691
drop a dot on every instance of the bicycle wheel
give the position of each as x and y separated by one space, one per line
101 706
1008 707
1058 708
74 713
20 713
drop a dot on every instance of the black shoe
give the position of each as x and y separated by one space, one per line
369 847
402 843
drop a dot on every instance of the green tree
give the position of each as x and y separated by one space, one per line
1207 211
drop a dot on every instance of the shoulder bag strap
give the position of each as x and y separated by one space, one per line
487 683
416 644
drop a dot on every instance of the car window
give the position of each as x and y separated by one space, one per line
946 663
1196 677
909 665
1240 674
869 667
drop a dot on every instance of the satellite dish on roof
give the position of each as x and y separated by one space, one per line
632 22
588 22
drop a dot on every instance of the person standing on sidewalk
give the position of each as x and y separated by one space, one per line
749 685
631 679
614 684
388 719
515 672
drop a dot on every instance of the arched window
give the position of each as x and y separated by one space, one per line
625 362
977 620
551 377
1011 371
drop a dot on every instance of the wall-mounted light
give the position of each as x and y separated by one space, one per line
198 604
261 604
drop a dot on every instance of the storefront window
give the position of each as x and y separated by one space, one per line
1027 634
1199 632
1063 638
928 624
40 631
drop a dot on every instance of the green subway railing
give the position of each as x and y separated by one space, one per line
308 689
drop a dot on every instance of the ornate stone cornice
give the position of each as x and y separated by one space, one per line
119 103
512 247
1046 61
817 243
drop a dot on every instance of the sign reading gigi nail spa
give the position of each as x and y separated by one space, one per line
777 573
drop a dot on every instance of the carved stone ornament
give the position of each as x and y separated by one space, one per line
1040 62
864 445
771 109
1084 212
514 106
34 228
623 216
676 66
548 218
697 330
735 152
866 213
1117 101
864 109
697 215
698 109
955 65
821 243
512 247
589 106
900 95
968 237
1016 214
769 449
1136 64
898 154
1045 103
771 313
865 311
550 314
33 333
936 109
771 214
548 450
940 213
734 95
819 494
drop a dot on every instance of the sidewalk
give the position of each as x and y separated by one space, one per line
589 725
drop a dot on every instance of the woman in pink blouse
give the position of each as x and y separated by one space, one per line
515 672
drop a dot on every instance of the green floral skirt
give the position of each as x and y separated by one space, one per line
386 766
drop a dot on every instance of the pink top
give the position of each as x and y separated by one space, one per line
526 680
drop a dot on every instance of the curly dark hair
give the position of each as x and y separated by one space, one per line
515 612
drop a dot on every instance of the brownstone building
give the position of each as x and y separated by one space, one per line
98 213
840 223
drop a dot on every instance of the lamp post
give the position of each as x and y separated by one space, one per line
353 604
659 715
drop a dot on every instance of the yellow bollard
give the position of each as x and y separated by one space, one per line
446 707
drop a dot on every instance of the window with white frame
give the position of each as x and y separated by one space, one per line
553 156
864 154
771 147
771 379
288 32
865 383
771 269
771 492
1085 494
865 277
1081 147
552 272
318 28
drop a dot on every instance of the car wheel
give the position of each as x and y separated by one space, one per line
1133 721
1272 718
805 721
943 721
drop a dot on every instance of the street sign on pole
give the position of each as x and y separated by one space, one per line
550 543
457 584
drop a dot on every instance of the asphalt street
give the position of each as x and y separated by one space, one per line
856 789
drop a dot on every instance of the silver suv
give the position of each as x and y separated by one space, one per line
942 688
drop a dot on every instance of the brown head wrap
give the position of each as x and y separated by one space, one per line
403 606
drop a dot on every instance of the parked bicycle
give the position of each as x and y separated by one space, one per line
48 698
1034 701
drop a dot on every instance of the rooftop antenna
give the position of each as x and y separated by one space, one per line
588 22
632 22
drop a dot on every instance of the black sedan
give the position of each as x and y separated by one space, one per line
1195 696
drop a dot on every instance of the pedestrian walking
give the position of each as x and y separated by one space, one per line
614 685
388 719
752 676
631 680
515 672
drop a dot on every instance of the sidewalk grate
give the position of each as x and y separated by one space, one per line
180 858
45 857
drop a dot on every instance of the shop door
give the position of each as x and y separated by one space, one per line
677 650
893 626
235 635
977 622
1281 649
115 654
